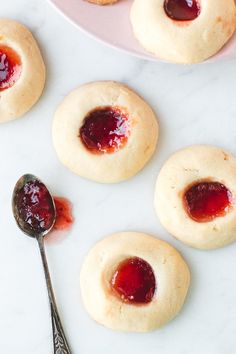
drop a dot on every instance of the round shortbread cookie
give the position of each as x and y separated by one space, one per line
171 274
195 196
93 108
183 41
22 66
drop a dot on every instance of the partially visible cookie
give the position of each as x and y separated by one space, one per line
182 31
133 282
105 132
102 2
22 74
195 196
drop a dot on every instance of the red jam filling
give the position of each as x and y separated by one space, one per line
105 130
64 218
10 67
35 206
182 10
205 201
134 281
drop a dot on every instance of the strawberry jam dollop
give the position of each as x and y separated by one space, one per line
35 206
10 67
205 201
64 218
105 130
134 281
182 10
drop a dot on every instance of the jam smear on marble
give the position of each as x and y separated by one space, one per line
134 281
182 10
64 218
105 130
205 201
10 67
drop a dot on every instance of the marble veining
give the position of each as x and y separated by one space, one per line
195 104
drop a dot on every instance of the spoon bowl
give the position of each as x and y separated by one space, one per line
33 206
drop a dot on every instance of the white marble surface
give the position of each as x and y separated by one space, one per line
195 104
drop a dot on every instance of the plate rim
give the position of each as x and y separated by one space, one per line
138 55
143 56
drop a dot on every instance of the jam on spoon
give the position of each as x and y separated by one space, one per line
105 130
10 67
182 10
204 201
134 281
36 209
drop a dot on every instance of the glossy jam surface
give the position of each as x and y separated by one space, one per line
64 218
205 201
182 10
10 67
134 281
35 206
105 130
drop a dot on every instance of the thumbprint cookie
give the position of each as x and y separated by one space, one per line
183 31
105 132
22 70
133 282
195 196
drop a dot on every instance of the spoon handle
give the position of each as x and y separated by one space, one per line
59 339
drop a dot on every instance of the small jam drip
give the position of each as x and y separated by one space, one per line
134 281
35 206
105 130
64 218
205 201
10 67
182 10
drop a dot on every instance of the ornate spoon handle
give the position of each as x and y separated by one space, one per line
59 339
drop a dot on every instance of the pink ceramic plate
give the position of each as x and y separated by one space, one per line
111 25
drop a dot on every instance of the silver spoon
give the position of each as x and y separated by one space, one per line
35 214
